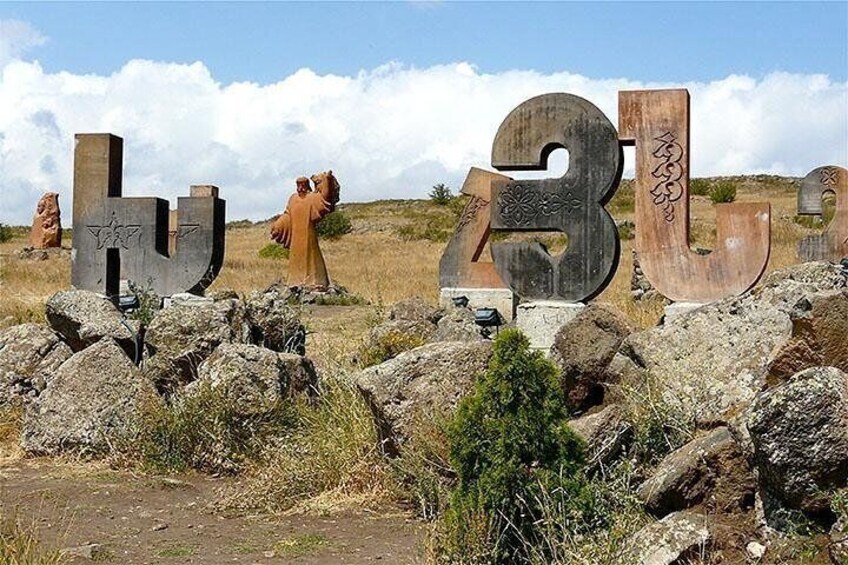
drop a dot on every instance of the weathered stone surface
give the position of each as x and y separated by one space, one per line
415 309
29 357
412 317
822 320
838 546
420 385
181 337
82 318
457 325
569 204
127 238
657 122
46 223
670 539
709 469
607 435
255 379
94 398
714 359
274 322
295 229
502 299
583 349
799 432
789 358
540 320
832 245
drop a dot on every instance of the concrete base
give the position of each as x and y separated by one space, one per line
677 309
501 298
541 319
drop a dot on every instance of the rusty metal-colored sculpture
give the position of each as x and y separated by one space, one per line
127 238
832 245
295 230
657 122
461 265
573 204
46 223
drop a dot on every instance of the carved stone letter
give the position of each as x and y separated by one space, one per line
572 204
460 265
657 121
127 238
832 245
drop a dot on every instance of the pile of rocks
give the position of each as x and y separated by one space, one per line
81 387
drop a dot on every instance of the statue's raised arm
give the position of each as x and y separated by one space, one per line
328 188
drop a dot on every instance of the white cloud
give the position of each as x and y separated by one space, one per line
390 132
16 38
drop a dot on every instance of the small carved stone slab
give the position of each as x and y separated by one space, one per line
832 245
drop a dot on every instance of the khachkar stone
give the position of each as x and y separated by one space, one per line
46 223
832 245
657 122
295 230
466 269
127 238
572 204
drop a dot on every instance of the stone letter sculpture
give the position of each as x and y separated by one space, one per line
832 245
46 223
461 265
573 204
127 238
295 230
657 121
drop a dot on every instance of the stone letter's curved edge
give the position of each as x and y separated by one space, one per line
216 261
458 266
734 267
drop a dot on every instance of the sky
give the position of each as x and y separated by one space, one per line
395 97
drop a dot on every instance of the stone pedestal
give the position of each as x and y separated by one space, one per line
677 309
501 298
541 319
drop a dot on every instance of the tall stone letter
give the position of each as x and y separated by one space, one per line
832 245
573 204
657 122
127 238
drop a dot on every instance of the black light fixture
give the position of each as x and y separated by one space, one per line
844 264
128 302
487 318
460 301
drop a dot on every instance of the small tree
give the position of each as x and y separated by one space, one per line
333 226
509 442
699 187
5 233
723 191
441 195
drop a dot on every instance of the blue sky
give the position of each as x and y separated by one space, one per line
395 97
264 42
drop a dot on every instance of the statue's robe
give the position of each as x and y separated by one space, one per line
296 230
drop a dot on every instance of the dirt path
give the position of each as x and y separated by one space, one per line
162 520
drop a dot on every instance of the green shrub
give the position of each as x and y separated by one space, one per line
723 191
441 195
699 187
333 226
274 251
437 230
5 233
509 442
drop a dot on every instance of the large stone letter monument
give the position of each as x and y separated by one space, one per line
832 245
127 238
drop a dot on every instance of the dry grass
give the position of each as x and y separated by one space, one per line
379 264
19 545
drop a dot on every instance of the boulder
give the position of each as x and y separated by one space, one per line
94 398
420 385
607 435
82 318
583 349
416 309
253 378
799 434
714 359
274 321
709 469
182 336
457 325
675 537
29 357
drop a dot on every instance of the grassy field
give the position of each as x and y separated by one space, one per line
393 252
